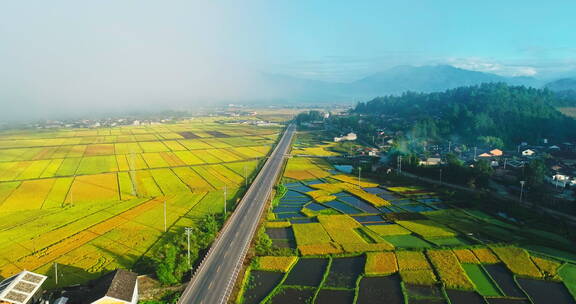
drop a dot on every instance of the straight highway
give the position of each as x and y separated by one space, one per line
214 279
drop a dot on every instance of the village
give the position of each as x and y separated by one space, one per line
509 165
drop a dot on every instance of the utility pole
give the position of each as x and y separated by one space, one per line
164 215
521 189
475 148
72 192
440 176
188 230
449 146
245 177
225 194
505 161
399 164
56 272
359 171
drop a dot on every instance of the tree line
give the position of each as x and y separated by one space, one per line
492 113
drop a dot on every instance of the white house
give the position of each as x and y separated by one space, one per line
349 136
431 161
22 288
528 152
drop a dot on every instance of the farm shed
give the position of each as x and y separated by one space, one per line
118 286
22 288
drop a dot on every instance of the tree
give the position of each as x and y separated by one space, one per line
535 173
170 268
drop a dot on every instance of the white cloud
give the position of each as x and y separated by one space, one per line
492 66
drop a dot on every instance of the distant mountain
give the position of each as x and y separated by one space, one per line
564 84
565 90
394 81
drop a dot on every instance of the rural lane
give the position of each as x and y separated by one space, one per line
214 279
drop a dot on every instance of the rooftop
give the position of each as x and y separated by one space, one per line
21 287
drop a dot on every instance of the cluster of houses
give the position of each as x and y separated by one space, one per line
560 160
119 286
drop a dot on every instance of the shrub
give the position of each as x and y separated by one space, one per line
380 263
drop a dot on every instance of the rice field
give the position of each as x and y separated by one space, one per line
415 245
92 200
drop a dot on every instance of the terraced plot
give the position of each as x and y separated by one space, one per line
404 244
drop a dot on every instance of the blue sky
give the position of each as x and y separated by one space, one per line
356 37
61 54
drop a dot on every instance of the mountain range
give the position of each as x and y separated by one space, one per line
397 80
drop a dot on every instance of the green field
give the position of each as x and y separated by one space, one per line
92 200
484 284
426 238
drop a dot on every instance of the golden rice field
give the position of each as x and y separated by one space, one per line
93 200
414 236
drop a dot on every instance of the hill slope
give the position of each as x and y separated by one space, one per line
504 113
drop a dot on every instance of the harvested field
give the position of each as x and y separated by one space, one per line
505 280
344 272
374 289
307 272
464 297
333 296
288 295
543 292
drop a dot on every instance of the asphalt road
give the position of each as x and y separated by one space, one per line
214 279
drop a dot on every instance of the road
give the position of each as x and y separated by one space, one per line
214 279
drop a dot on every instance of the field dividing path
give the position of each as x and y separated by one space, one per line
214 279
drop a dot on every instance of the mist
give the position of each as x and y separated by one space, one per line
68 57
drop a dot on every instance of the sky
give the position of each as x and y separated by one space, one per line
65 56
